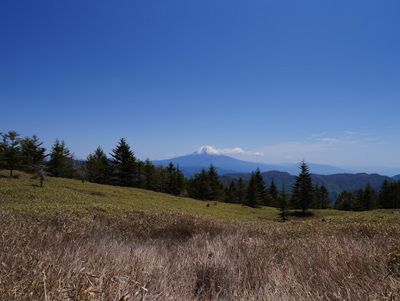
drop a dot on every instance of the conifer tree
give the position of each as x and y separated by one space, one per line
241 191
175 180
11 151
366 198
256 192
385 195
124 164
346 201
60 163
302 194
139 179
260 184
321 197
150 176
199 186
273 192
252 196
216 187
32 153
98 167
231 193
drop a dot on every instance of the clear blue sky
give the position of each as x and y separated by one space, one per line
282 80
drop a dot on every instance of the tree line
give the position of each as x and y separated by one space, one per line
388 197
121 167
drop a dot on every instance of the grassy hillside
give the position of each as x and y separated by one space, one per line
82 241
72 196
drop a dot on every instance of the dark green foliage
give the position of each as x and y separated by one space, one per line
256 192
241 191
367 198
252 196
125 170
231 193
98 167
206 185
60 163
273 195
175 181
124 165
389 195
364 199
236 192
303 193
10 151
199 186
150 176
216 187
321 197
347 201
32 154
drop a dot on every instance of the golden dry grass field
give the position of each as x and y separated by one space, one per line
83 241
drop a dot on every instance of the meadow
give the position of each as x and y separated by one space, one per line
81 241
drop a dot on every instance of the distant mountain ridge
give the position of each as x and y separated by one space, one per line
335 183
193 163
335 179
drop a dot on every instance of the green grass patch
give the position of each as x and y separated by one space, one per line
72 196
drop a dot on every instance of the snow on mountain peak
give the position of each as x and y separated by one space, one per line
209 150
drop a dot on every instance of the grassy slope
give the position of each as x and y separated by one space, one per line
64 195
98 249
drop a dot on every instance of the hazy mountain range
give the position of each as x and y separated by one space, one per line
334 178
335 183
191 164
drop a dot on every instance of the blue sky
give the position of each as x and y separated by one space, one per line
281 80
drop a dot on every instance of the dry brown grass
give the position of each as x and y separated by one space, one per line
180 257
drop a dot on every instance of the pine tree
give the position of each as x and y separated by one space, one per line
273 193
252 196
175 182
32 153
366 198
346 201
150 176
260 184
139 181
199 186
11 151
385 195
241 191
98 167
60 163
124 164
216 187
321 197
389 195
231 193
302 194
256 191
